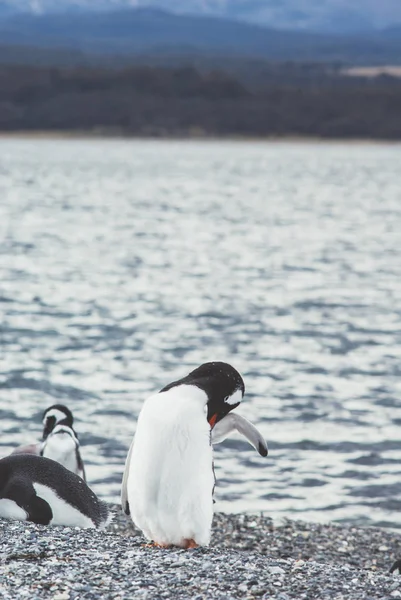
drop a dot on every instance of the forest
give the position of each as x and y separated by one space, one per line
269 100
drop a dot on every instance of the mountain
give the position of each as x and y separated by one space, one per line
153 31
337 16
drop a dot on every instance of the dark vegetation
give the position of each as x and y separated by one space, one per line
248 99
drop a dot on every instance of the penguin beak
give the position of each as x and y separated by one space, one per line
212 420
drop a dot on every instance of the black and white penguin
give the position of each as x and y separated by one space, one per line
59 440
37 489
169 479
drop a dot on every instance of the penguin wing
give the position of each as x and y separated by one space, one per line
124 492
80 464
21 491
234 422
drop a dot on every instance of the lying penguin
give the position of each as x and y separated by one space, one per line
59 440
169 479
37 489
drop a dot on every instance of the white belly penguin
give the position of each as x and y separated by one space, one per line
168 480
38 489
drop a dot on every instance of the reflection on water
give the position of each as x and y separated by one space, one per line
123 264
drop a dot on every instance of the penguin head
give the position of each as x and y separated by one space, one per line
54 415
222 384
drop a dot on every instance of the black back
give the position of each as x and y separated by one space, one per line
51 422
31 469
219 381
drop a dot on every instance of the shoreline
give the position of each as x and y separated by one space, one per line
249 557
121 136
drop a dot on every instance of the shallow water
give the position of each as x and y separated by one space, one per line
123 264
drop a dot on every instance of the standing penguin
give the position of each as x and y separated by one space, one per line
59 440
169 479
37 489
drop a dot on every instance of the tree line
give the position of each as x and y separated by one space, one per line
185 101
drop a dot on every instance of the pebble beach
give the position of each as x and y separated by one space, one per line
250 556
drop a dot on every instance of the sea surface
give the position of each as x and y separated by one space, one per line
125 264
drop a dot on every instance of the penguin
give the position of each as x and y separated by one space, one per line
65 447
169 479
38 489
234 422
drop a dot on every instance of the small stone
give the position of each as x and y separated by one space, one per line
276 571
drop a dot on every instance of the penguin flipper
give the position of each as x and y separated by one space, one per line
80 464
39 511
24 495
234 422
124 490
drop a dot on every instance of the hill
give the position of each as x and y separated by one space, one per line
335 16
156 32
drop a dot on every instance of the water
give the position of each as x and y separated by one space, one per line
124 264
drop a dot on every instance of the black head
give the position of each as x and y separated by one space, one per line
55 415
223 385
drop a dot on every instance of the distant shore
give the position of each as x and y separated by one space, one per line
249 557
104 135
236 101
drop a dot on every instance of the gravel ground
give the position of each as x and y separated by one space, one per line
250 557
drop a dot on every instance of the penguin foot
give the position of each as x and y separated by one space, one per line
156 545
190 544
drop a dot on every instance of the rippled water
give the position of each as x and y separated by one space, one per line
123 264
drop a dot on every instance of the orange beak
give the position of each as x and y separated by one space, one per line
212 421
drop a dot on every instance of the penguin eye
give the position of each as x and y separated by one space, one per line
226 398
